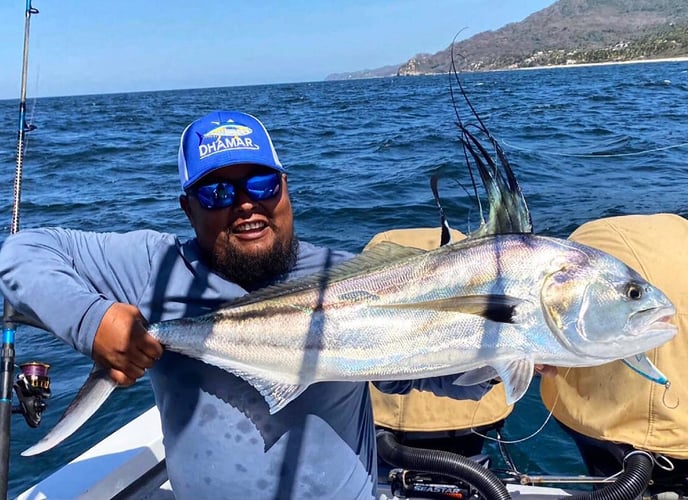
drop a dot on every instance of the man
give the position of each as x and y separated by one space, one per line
98 291
608 404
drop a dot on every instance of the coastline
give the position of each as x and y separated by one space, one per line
517 68
606 63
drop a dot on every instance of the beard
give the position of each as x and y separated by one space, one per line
252 271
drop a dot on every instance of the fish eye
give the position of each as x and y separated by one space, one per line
634 291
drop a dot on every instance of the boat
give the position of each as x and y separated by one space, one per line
130 463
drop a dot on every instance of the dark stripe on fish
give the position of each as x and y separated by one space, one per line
497 308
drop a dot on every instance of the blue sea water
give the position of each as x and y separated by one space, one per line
585 142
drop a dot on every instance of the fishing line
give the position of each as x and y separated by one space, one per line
530 436
656 460
594 155
30 122
29 126
520 440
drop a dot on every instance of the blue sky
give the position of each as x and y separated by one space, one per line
79 47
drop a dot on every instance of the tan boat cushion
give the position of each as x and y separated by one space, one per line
420 410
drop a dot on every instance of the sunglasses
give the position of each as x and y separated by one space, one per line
220 195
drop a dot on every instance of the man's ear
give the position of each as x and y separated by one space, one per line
184 204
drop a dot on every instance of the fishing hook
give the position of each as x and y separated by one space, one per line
667 386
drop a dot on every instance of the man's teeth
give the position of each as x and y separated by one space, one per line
250 226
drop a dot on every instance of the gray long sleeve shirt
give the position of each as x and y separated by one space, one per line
220 441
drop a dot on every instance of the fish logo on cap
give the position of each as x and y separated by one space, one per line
224 137
229 130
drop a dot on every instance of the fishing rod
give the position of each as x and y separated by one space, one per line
9 326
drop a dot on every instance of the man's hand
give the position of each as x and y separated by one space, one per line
546 370
123 345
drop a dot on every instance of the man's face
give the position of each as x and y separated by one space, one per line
250 241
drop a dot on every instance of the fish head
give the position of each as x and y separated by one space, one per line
601 310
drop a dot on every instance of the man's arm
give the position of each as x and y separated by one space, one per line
79 285
440 386
444 386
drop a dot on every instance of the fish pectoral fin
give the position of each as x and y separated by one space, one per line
516 376
497 308
91 396
477 376
277 395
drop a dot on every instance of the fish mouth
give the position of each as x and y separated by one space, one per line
655 319
657 328
666 320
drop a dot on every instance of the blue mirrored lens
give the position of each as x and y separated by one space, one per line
221 194
262 187
214 196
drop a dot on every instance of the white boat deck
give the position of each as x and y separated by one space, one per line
112 466
130 463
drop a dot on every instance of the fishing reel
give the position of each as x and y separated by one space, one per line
32 388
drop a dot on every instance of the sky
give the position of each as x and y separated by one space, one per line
78 47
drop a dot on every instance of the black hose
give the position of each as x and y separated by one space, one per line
441 462
630 484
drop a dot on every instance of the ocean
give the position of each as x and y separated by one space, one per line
585 142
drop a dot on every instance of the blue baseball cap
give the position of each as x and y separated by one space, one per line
224 138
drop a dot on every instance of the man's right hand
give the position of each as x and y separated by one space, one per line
123 345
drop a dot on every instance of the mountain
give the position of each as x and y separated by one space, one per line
390 70
567 32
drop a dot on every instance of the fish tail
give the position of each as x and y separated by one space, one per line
91 396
